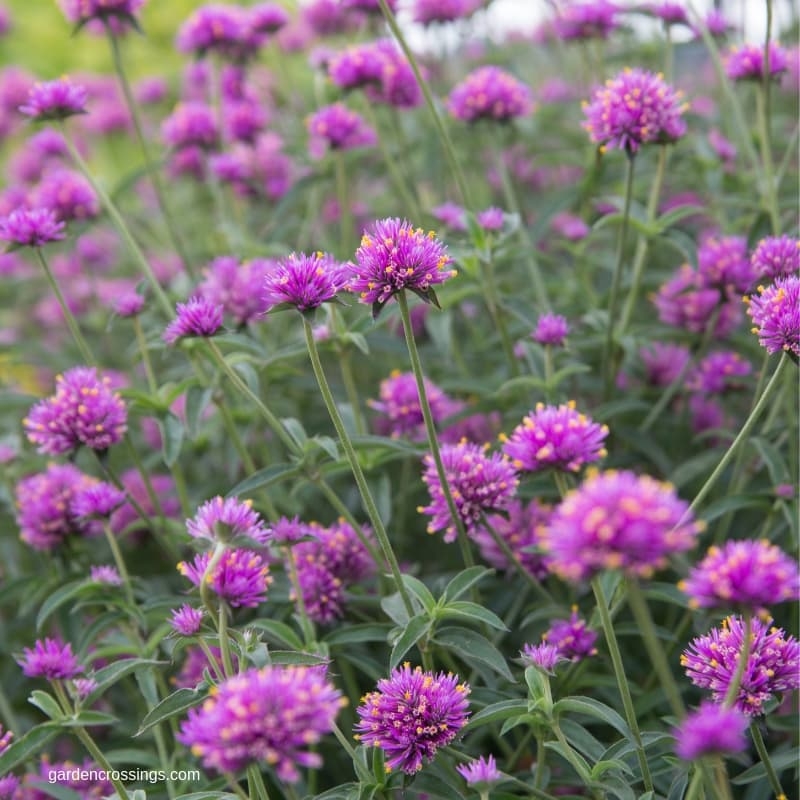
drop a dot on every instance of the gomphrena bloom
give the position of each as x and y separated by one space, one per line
237 287
190 124
595 19
126 517
617 520
751 574
663 362
394 256
267 18
719 372
57 99
105 575
773 667
543 656
571 637
712 729
775 312
304 281
241 577
551 329
197 317
97 501
51 659
490 219
270 715
227 520
723 261
186 620
427 12
31 227
555 437
120 11
776 257
490 93
220 29
479 482
480 773
636 107
411 715
84 410
68 194
668 13
128 304
337 127
746 62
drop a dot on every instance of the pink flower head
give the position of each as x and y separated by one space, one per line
267 18
776 257
96 501
304 281
31 227
712 729
724 149
775 312
569 226
551 329
128 304
617 520
722 261
427 12
451 216
237 287
197 317
411 715
241 577
719 372
51 659
126 518
190 125
663 362
636 107
226 520
668 13
572 638
746 63
68 194
84 410
186 620
594 19
338 128
544 657
221 29
480 773
490 93
120 14
57 99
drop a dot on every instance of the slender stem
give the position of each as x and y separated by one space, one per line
344 742
7 714
743 434
609 355
363 488
345 211
430 428
622 681
770 194
763 754
561 483
572 757
237 790
669 52
644 621
254 776
120 562
145 354
493 304
741 664
643 243
441 130
224 642
211 658
696 784
306 625
72 324
541 762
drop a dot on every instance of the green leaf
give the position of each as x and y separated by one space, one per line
293 657
601 767
496 712
296 430
171 706
473 612
421 592
327 444
57 599
353 634
278 632
394 608
172 431
85 719
584 770
471 646
263 478
464 581
776 464
593 708
47 704
780 762
53 790
27 746
414 630
735 503
207 796
676 215
108 676
197 398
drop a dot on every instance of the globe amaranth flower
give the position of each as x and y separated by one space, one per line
719 372
773 666
551 329
722 261
427 12
490 93
394 256
636 107
227 520
105 575
31 227
776 257
478 483
217 28
128 304
51 659
490 219
451 215
480 773
186 620
617 520
750 573
570 226
44 506
775 312
304 281
191 124
57 99
571 637
271 715
746 62
712 729
338 128
543 656
197 317
97 501
663 362
237 287
240 577
412 714
595 19
668 13
267 18
68 194
84 410
122 12
155 500
557 437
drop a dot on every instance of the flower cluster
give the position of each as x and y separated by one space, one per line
490 93
427 12
227 520
587 20
775 312
543 656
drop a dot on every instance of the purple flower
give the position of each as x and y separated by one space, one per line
478 483
267 18
394 256
304 281
221 29
551 329
557 437
51 659
411 715
237 287
190 125
82 688
197 317
241 577
186 620
706 413
271 715
772 668
163 488
663 362
339 128
636 107
68 194
5 739
669 13
587 20
57 99
84 410
97 501
105 574
44 506
490 219
128 304
724 149
752 574
322 592
119 11
451 216
10 786
192 673
617 520
716 23
243 120
430 11
490 93
480 773
711 729
569 226
776 257
775 312
718 373
722 261
571 637
746 62
542 656
32 227
226 520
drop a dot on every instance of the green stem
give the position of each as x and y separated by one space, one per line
609 355
346 370
345 212
561 483
644 621
770 195
72 324
622 681
224 642
741 664
257 780
493 304
430 428
573 758
306 625
541 762
763 754
363 488
344 742
120 562
7 714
